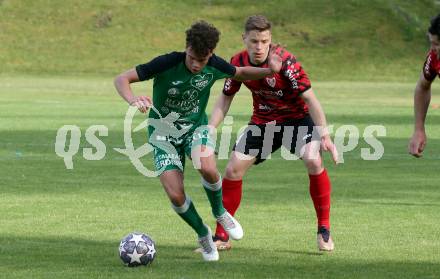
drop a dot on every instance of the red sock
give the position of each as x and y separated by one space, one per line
231 191
320 189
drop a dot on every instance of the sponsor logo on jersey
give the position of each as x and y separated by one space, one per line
190 95
428 64
182 105
173 92
200 81
271 81
165 110
164 160
195 110
227 86
264 107
278 93
291 75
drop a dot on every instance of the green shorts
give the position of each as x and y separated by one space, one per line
169 152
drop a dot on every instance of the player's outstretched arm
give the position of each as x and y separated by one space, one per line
318 117
422 98
220 109
275 62
122 84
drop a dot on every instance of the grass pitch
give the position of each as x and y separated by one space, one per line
335 40
58 223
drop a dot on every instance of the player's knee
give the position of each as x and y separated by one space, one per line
314 166
177 199
233 173
209 172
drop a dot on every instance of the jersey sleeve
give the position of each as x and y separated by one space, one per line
295 74
428 68
232 86
224 68
158 65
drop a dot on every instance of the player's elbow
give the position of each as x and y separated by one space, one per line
308 96
239 74
423 84
424 87
117 80
120 79
422 91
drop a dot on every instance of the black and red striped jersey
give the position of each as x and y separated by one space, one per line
431 68
275 97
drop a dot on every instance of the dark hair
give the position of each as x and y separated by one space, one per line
434 29
257 22
202 37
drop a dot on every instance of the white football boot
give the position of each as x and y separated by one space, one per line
209 250
324 240
231 226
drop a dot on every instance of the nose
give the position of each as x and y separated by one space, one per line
259 46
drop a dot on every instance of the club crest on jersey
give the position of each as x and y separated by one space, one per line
271 81
200 81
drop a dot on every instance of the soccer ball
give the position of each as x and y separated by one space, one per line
137 249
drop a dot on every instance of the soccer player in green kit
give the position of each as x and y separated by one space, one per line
181 89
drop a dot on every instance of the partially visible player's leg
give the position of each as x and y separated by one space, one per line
320 192
172 182
307 141
204 160
212 184
245 153
200 148
232 189
170 166
251 148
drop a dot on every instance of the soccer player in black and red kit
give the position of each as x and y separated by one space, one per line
285 104
422 93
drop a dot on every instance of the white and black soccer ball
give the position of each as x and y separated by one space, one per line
137 249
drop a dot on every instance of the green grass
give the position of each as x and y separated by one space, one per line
335 40
56 58
58 223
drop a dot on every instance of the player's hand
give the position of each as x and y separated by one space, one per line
328 145
143 103
275 59
417 144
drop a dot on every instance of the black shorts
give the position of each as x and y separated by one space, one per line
261 140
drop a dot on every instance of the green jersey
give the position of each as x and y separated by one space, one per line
176 89
177 119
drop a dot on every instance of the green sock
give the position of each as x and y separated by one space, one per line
189 214
214 193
